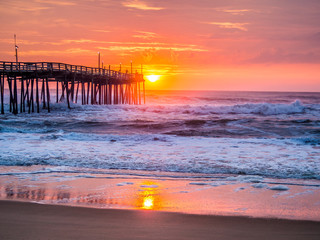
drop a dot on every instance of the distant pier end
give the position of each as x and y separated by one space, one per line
28 85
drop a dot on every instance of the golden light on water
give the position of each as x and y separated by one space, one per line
153 78
148 202
148 197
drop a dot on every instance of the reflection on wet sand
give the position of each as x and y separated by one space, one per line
199 197
40 194
21 192
148 197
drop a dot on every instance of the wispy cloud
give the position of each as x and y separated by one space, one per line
283 56
160 69
129 46
156 48
101 30
145 35
117 46
57 52
31 8
230 25
140 5
68 41
56 2
234 11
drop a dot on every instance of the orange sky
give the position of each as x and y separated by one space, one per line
260 45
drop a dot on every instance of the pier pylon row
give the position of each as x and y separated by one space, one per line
28 86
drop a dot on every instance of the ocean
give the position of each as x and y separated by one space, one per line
271 134
263 144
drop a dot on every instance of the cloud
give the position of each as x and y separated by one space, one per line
69 41
145 46
31 8
101 30
230 25
131 46
117 46
140 5
268 56
161 69
57 52
56 2
235 11
145 35
315 37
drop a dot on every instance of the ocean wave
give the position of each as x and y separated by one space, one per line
121 112
236 121
258 109
269 108
249 108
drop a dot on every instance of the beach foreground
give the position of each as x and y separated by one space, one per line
21 220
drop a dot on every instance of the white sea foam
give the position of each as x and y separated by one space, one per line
246 179
257 157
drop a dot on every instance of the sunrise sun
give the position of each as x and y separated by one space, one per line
153 78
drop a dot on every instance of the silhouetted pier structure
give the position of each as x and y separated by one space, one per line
28 85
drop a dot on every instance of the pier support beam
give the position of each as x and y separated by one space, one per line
57 92
15 96
77 92
2 93
37 95
144 94
67 93
43 94
48 94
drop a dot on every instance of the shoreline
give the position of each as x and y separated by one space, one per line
271 218
22 220
248 196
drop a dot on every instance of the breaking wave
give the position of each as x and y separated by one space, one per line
249 108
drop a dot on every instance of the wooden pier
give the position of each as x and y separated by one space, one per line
28 85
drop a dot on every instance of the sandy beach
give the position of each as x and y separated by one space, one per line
20 220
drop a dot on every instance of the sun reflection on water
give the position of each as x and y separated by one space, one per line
148 202
148 197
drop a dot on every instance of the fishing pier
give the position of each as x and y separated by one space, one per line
29 84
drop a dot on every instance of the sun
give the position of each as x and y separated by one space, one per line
153 78
148 202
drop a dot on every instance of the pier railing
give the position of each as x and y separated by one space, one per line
16 67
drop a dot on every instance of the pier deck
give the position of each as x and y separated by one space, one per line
92 85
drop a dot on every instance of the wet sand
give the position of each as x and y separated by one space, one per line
21 220
191 195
